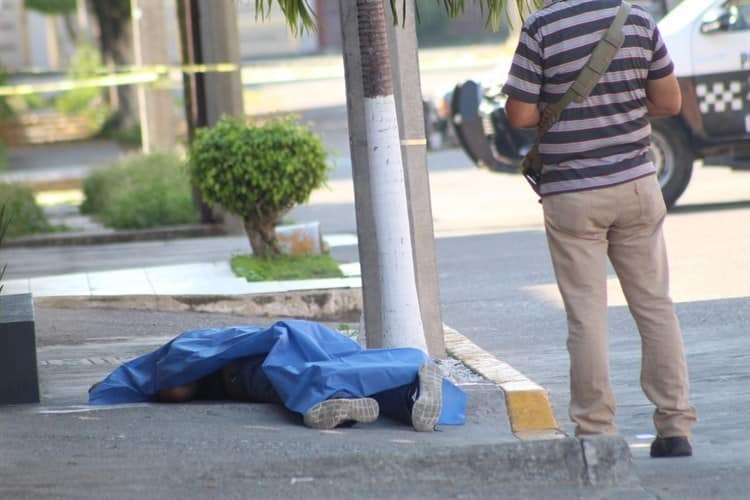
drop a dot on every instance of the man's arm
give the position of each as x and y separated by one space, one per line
663 96
521 114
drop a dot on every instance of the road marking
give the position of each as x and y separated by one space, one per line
64 410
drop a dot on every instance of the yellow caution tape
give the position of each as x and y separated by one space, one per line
137 75
159 68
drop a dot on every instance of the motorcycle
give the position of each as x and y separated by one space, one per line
481 127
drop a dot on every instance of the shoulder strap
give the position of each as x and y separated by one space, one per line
595 67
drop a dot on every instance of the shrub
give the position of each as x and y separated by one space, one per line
51 6
258 172
127 137
4 222
6 111
141 191
86 101
25 216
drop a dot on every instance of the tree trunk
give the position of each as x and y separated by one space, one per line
262 237
70 28
400 313
115 43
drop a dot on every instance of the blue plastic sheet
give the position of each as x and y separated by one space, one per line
305 361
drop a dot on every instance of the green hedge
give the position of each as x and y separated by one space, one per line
25 215
51 7
6 111
141 191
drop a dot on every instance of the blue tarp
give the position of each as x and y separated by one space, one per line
305 361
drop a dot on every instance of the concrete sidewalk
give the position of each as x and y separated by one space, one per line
88 322
63 448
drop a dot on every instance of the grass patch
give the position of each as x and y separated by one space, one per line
285 267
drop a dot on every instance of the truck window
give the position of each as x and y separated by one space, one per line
733 15
743 15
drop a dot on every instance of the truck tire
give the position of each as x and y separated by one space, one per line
672 157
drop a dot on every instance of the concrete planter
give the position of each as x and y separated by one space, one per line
19 380
45 128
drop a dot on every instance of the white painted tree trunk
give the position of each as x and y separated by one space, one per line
400 314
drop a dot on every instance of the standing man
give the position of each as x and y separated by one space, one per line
601 198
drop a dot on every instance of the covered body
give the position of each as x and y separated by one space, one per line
305 361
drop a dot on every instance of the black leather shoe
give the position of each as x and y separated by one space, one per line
671 447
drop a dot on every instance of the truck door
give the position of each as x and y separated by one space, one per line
721 62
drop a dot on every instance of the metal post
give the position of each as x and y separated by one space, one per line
209 96
155 105
220 43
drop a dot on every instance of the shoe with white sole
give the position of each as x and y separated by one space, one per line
426 411
334 412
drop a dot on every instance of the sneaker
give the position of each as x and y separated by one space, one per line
426 411
334 412
669 447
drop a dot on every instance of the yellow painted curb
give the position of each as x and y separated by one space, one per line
529 410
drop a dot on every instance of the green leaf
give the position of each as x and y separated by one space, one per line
301 17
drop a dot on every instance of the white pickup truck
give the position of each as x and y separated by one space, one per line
709 41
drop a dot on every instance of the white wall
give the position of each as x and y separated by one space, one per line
12 46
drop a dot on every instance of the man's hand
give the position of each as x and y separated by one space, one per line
663 96
522 114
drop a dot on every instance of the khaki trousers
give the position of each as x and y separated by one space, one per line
623 222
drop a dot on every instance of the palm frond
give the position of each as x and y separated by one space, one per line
299 15
302 19
492 10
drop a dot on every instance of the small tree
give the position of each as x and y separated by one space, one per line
258 171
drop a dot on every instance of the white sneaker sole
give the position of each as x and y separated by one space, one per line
334 412
426 411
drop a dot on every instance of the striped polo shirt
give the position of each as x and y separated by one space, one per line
603 140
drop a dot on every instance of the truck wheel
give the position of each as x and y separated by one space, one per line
672 157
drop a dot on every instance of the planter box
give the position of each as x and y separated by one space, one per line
19 381
45 128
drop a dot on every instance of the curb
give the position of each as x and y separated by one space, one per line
335 304
104 237
529 409
600 461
